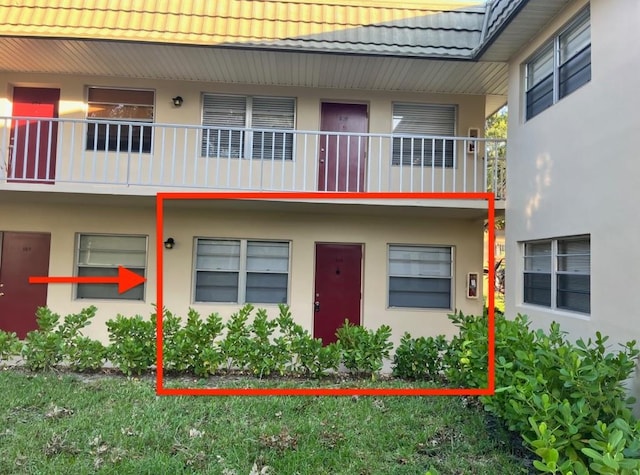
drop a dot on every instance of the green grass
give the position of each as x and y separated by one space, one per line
69 424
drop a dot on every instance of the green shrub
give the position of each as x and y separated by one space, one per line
192 348
614 449
554 393
307 354
364 351
78 351
266 355
10 345
42 349
236 344
132 346
420 358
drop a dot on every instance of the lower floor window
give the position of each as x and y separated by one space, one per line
557 273
101 255
420 276
241 271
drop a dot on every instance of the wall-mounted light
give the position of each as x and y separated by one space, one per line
177 101
169 243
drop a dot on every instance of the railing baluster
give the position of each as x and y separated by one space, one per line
454 166
380 166
25 154
444 165
411 159
433 165
4 145
49 144
422 166
14 151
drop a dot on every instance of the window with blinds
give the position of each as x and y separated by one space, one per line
241 271
557 273
248 127
573 289
119 117
559 67
101 255
537 273
420 132
420 276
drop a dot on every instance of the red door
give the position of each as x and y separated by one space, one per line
342 157
33 141
23 255
337 288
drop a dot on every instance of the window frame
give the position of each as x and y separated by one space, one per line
242 271
122 144
248 131
77 252
433 153
556 274
450 278
554 46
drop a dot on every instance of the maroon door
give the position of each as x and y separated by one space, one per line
33 142
23 255
337 289
342 157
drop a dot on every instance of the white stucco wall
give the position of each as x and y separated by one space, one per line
575 169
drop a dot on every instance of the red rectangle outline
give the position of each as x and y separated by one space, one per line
163 391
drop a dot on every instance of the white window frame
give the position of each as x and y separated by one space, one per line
242 270
248 131
449 277
555 272
111 269
430 139
121 125
554 47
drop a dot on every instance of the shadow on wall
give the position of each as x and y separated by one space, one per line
542 182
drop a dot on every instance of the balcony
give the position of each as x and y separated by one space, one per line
73 155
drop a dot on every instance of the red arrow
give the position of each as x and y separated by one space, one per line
126 280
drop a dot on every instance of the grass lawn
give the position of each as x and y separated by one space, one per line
54 423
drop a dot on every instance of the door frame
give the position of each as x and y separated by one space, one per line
46 165
42 291
361 181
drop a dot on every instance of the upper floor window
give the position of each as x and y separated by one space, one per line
560 67
412 123
557 273
248 127
119 115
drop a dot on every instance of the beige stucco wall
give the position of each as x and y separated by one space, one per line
197 171
303 229
574 169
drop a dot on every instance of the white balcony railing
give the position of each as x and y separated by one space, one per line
170 156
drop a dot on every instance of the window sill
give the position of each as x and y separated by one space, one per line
556 311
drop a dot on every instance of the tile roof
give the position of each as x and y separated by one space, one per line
376 27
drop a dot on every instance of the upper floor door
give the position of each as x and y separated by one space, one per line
343 154
33 142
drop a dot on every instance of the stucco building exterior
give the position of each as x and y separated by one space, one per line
103 105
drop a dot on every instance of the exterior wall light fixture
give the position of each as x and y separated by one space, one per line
177 101
169 243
